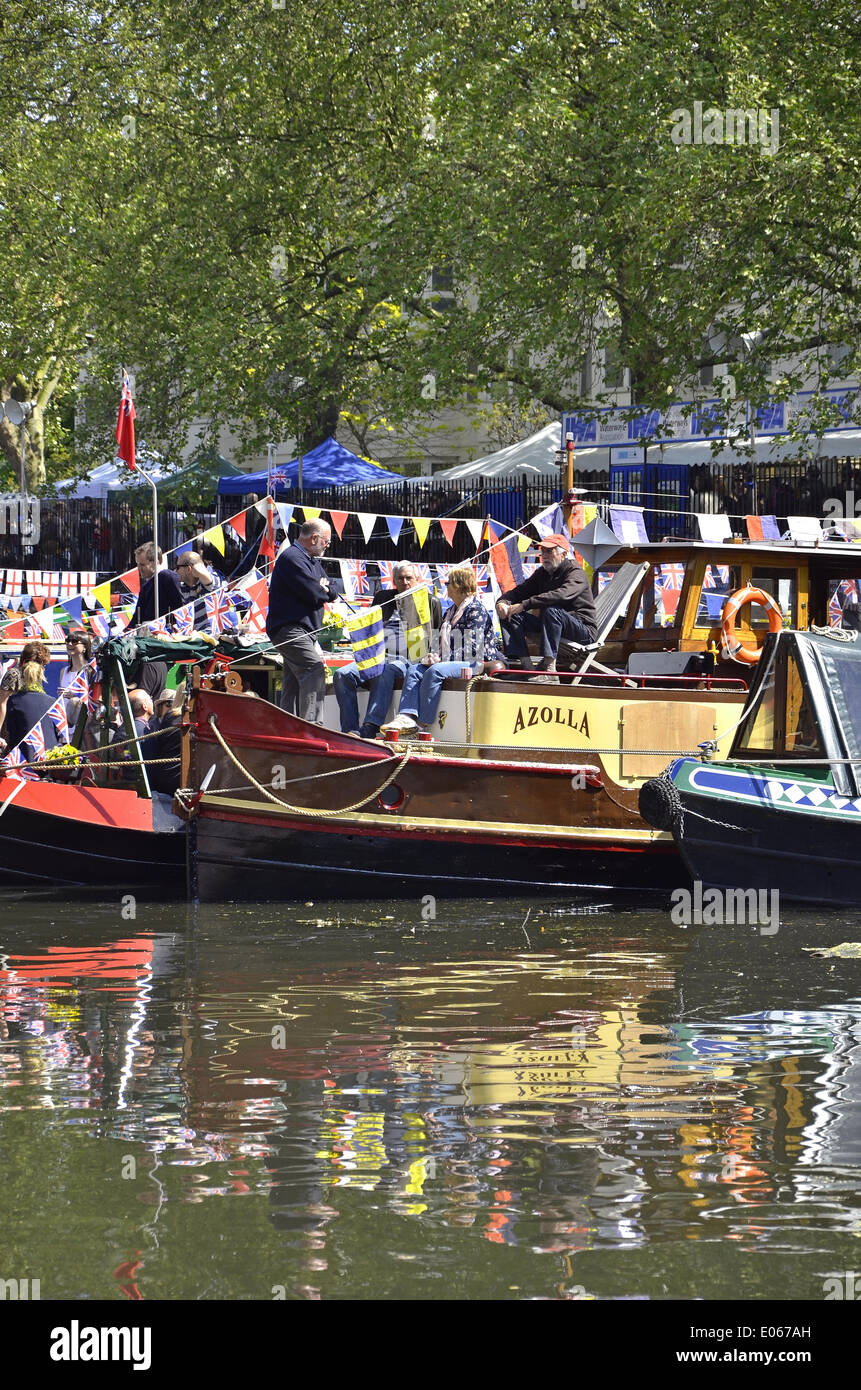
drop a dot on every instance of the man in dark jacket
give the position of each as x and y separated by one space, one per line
297 591
556 601
169 590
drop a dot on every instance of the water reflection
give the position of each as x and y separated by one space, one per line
404 1102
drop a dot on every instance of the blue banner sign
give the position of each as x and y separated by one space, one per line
690 421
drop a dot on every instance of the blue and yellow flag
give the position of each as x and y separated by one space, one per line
414 607
368 641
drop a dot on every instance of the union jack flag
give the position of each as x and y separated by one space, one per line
158 627
78 687
183 620
672 576
57 716
716 574
35 741
846 593
15 765
481 576
604 577
423 571
387 573
220 610
443 572
354 573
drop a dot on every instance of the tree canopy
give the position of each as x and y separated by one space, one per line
243 205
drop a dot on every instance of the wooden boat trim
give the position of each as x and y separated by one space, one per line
392 824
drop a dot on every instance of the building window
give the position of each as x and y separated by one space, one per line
442 288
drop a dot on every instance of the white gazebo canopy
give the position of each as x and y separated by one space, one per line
534 457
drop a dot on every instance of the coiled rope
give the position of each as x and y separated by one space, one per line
306 810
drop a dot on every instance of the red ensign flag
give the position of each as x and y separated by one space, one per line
126 425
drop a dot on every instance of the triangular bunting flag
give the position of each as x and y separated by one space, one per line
367 521
523 543
285 514
131 579
448 526
422 525
475 527
339 521
75 608
238 524
45 619
267 540
394 524
215 536
259 594
102 594
311 513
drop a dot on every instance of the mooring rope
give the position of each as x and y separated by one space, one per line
306 810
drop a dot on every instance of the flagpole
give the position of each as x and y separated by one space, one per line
152 484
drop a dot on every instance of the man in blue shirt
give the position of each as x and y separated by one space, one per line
297 592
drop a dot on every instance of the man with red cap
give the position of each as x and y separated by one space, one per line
556 601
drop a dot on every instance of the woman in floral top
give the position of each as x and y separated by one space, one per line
466 639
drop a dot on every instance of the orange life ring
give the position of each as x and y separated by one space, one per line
748 656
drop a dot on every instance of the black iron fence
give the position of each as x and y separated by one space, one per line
87 534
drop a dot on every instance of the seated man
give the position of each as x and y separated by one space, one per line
142 711
556 601
349 679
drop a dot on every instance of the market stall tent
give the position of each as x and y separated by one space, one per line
328 465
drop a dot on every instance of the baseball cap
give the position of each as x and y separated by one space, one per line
562 541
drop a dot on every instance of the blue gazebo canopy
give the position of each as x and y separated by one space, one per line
328 465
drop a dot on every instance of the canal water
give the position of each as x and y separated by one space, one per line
504 1100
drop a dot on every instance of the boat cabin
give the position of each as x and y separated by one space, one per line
678 607
804 708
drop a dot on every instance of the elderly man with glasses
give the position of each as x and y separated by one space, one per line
297 592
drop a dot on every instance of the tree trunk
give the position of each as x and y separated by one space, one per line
34 445
323 422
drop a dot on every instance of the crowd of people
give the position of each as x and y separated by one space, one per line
424 645
426 642
25 706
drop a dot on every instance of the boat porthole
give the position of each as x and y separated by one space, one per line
392 798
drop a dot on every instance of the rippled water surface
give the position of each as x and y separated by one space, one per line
509 1101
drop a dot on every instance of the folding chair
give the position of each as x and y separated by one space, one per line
611 603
